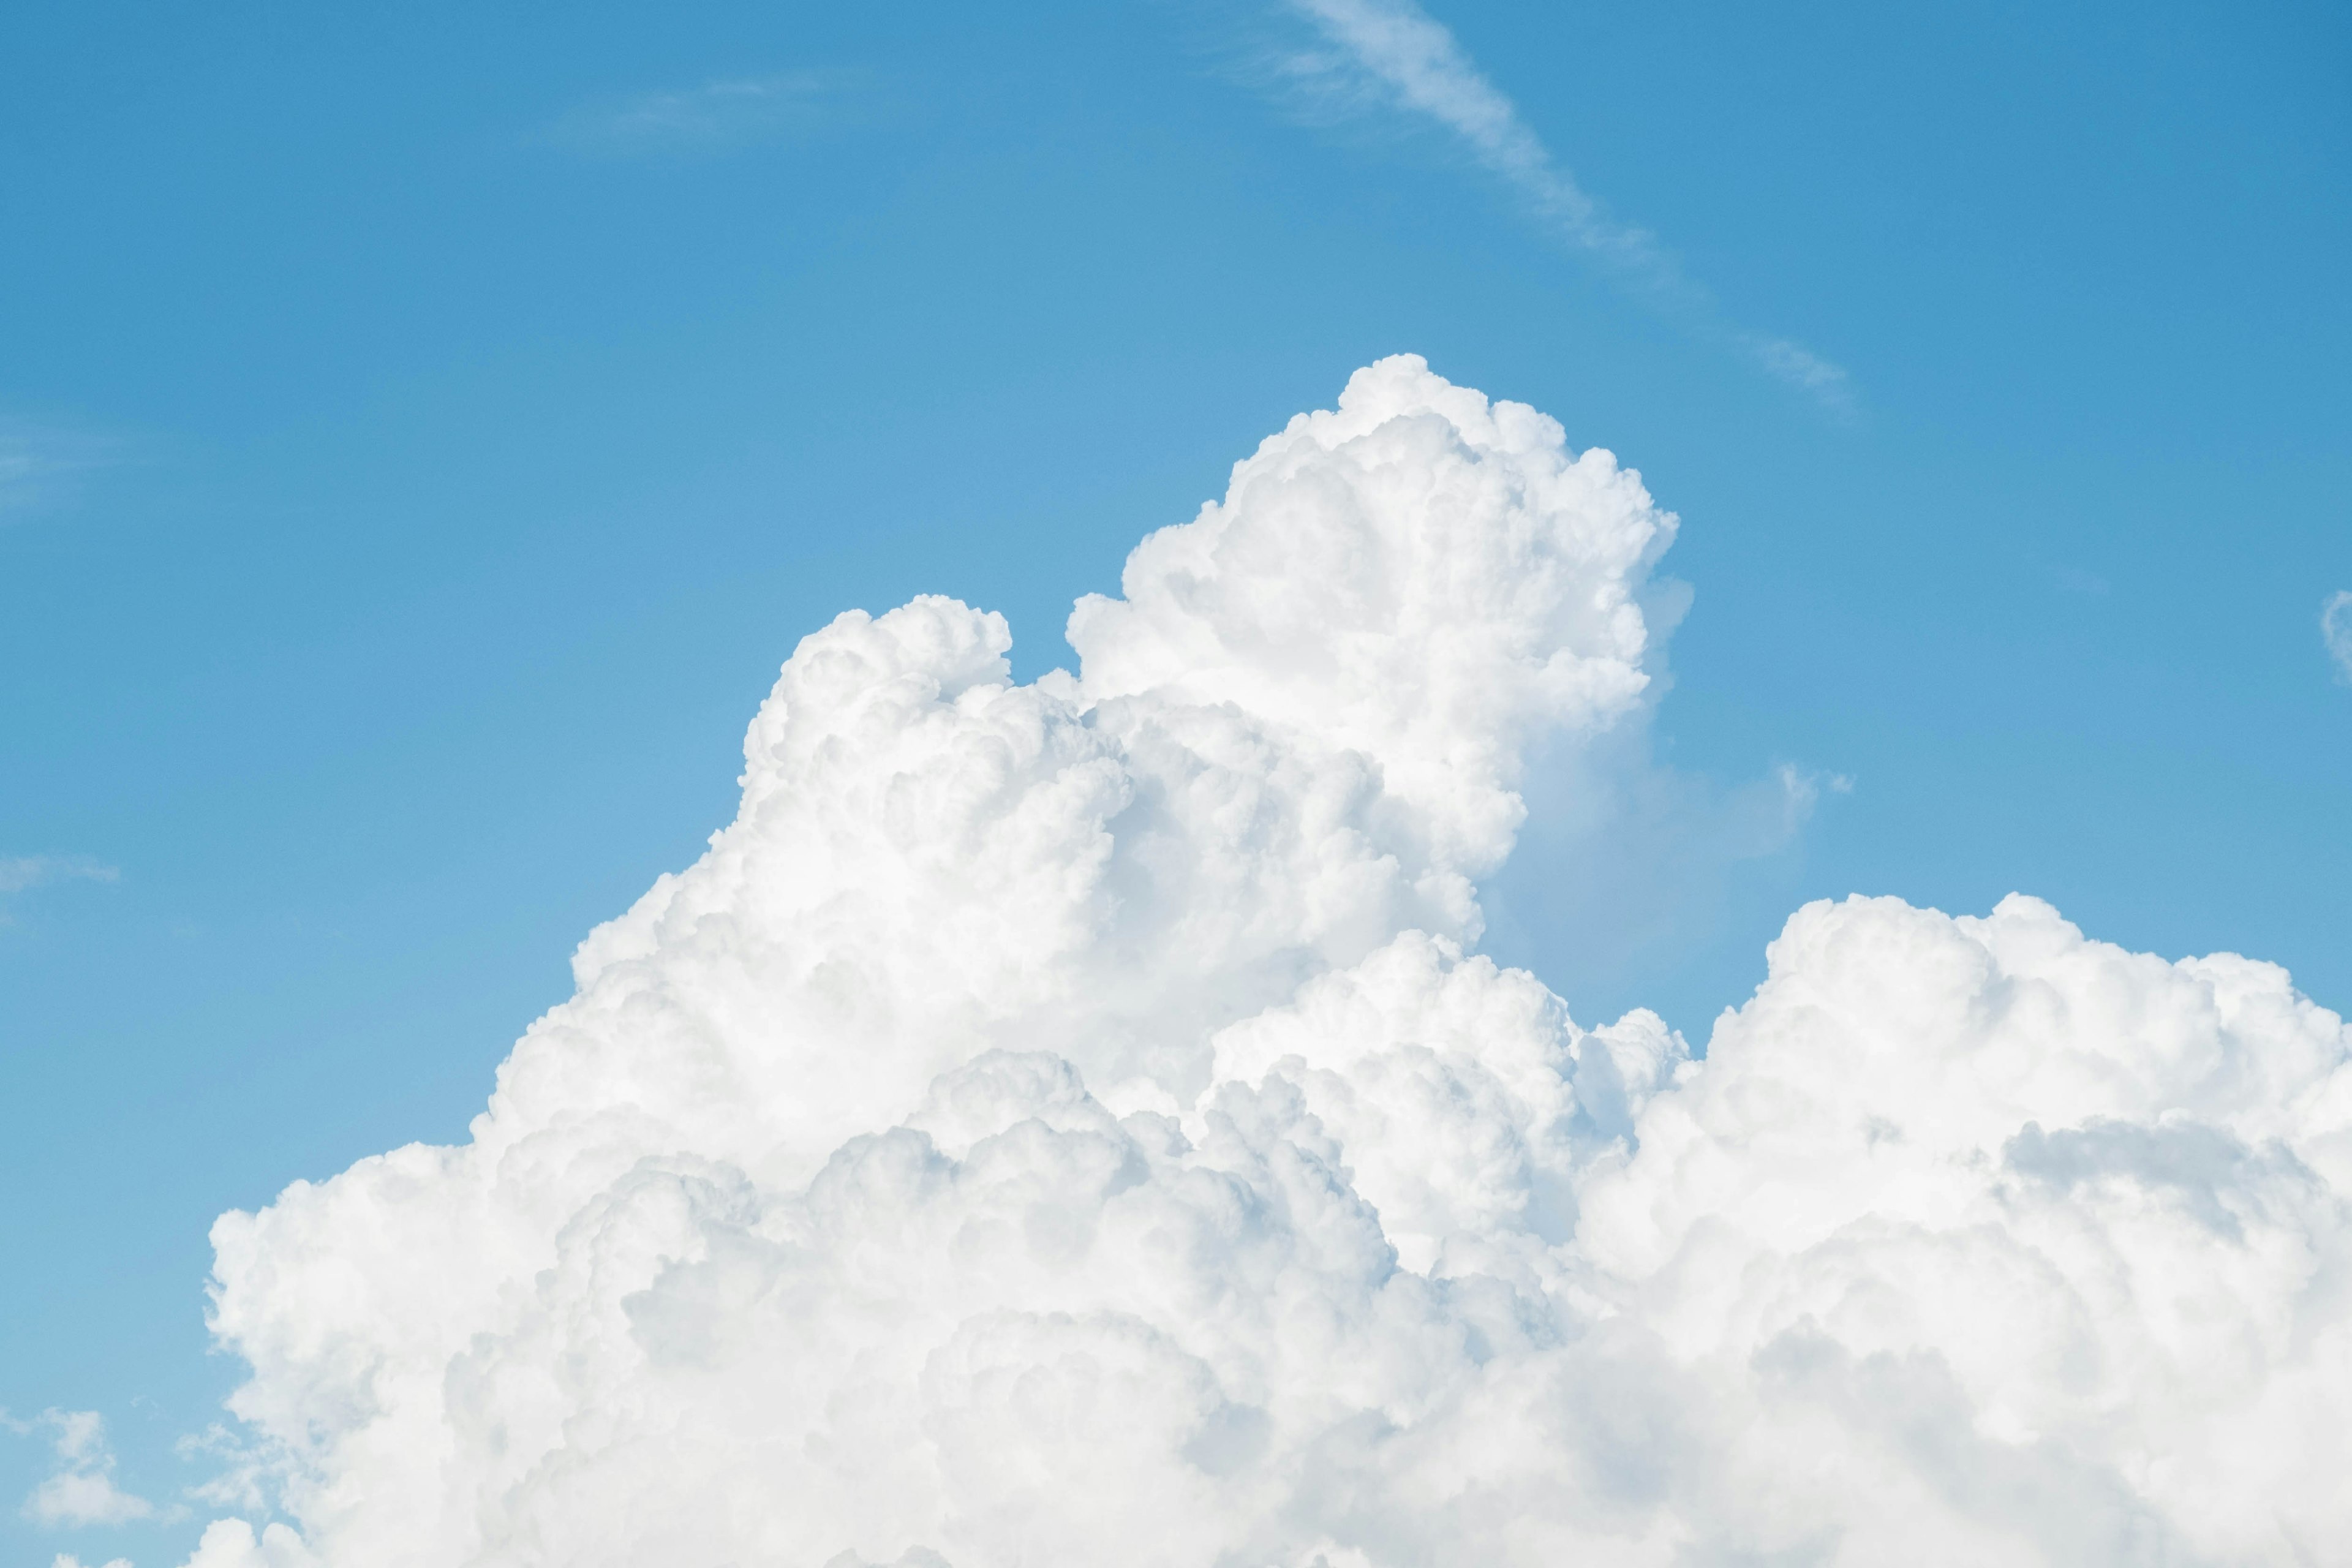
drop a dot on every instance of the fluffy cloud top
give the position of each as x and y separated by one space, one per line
1070 1123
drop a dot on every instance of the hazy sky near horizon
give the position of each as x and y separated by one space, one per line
423 436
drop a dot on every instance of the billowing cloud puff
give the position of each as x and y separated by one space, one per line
1070 1123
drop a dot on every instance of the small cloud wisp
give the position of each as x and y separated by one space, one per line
1411 60
23 873
81 1490
713 117
41 464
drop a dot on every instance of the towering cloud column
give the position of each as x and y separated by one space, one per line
1070 1125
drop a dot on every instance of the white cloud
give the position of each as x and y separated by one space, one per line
716 115
41 464
21 873
1426 71
81 1490
1801 368
1071 1122
67 1560
2336 631
1394 52
234 1543
242 1474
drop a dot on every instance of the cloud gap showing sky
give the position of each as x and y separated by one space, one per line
1071 1123
1394 55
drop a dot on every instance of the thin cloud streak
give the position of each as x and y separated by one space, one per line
2336 631
1419 67
1801 368
1427 71
714 116
40 464
21 873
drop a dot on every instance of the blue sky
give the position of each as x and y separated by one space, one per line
423 434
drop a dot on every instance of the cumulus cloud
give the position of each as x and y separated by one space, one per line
234 1543
1394 54
1073 1122
81 1489
2336 632
67 1560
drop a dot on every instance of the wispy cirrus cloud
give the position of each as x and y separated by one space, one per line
2336 631
1405 56
1391 53
40 465
717 115
23 873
